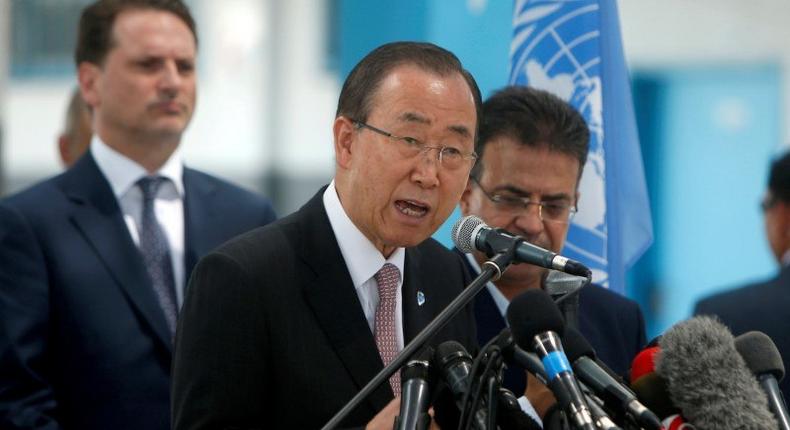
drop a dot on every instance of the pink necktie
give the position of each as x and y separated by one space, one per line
386 338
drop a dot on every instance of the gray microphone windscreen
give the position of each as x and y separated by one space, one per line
463 232
760 354
708 380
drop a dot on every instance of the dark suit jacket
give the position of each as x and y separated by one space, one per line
612 324
83 341
763 306
272 334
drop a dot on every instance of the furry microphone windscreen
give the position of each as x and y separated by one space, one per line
708 380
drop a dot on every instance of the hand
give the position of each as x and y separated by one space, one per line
385 419
539 395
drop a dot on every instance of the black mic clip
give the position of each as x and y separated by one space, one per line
503 257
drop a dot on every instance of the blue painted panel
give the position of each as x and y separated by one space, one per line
479 33
363 25
708 134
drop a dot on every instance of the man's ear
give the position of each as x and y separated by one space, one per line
465 196
63 150
344 133
88 76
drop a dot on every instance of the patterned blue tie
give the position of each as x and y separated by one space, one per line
156 252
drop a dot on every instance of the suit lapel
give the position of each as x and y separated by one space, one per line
199 218
97 216
419 307
331 295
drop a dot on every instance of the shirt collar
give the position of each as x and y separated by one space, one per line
122 172
499 299
361 256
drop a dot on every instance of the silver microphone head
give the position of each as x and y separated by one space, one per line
464 232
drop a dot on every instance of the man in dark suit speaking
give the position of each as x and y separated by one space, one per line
532 147
283 325
93 262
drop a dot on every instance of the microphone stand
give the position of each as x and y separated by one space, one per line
491 270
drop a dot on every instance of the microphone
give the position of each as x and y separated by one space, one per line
471 233
513 354
649 386
559 284
564 289
535 321
651 389
415 393
510 415
765 362
707 378
455 365
599 378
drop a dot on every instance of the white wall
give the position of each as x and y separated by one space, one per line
702 32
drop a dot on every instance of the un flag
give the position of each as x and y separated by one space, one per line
573 49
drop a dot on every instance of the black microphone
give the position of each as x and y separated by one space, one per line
535 321
708 380
415 393
471 233
599 378
513 354
455 365
765 362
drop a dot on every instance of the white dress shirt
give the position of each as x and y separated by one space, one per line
363 260
502 303
123 173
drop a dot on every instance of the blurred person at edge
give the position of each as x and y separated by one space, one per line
93 262
75 138
764 306
532 147
285 324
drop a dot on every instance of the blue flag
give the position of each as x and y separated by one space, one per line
573 49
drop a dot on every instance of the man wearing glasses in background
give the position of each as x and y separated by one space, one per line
284 325
531 149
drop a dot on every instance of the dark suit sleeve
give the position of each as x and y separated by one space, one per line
26 397
641 337
216 318
702 308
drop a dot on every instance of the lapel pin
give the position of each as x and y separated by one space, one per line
420 298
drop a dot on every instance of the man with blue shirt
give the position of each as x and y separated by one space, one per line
94 262
531 151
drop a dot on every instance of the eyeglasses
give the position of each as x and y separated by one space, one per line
560 211
449 157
